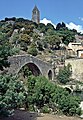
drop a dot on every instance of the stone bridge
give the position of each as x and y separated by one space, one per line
37 66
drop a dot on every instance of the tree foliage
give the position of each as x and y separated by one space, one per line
6 49
64 74
60 25
46 96
36 93
67 35
33 50
25 38
4 53
11 94
54 41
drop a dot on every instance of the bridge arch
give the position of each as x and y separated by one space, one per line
33 67
18 61
50 74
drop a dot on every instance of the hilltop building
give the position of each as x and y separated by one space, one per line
36 15
75 49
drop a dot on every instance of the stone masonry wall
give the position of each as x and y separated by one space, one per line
77 68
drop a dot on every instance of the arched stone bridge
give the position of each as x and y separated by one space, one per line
37 66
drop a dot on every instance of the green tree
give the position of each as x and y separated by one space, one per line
69 105
25 38
3 38
40 45
50 26
33 49
12 94
15 39
64 74
35 37
6 49
4 53
45 95
67 35
42 27
25 72
60 25
54 41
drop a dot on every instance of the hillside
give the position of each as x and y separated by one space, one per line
30 91
26 36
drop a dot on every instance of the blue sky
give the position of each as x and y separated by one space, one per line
68 11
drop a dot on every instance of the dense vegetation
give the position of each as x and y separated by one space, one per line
35 93
64 74
23 33
11 94
49 97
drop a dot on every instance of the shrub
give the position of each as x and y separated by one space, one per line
45 95
11 94
33 50
45 109
64 74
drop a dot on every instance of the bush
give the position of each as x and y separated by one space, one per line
78 111
64 74
45 109
40 93
12 94
15 51
33 50
45 95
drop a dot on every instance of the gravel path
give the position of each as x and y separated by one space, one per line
24 115
56 117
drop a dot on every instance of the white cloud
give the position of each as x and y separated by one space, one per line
46 21
71 25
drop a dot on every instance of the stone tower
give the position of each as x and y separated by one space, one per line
36 15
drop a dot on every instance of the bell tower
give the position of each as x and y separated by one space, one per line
36 15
